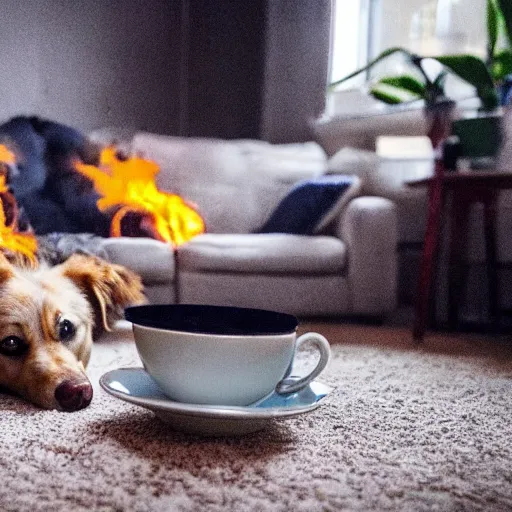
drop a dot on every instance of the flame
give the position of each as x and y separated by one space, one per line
10 239
6 155
129 185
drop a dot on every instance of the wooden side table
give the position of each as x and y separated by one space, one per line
465 189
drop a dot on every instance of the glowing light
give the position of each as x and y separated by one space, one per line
10 238
128 185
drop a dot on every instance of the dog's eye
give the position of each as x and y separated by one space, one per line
66 330
13 346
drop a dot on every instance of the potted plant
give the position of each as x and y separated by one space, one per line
499 49
491 78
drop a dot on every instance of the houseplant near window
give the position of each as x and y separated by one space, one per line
438 107
491 78
486 76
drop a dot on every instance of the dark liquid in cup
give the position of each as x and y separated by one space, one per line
219 320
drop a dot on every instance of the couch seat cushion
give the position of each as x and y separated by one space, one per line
266 253
151 259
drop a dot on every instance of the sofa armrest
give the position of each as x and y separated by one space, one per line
369 228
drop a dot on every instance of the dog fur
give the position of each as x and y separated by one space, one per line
49 317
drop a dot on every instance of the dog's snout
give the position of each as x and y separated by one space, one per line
73 396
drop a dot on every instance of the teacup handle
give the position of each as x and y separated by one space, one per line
294 384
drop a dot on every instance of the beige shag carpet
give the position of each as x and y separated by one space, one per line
409 428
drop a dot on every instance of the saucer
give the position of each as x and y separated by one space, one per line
134 385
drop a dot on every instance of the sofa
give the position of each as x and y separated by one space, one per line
346 267
351 142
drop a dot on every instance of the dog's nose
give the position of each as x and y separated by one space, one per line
73 396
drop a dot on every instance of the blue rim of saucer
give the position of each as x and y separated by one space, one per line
207 319
134 385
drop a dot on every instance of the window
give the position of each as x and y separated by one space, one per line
352 36
363 28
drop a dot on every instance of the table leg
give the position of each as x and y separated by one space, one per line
431 242
491 258
457 275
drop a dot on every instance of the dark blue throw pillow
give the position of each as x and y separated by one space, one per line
307 203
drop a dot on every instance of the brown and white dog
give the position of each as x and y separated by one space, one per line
48 318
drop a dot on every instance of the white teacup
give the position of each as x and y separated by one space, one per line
221 355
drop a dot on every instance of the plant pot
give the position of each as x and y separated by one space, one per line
439 119
480 139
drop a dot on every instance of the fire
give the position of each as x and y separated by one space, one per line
6 156
11 239
129 186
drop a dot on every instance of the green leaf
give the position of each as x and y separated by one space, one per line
468 67
506 9
385 54
474 71
392 94
386 97
407 82
502 65
489 98
492 25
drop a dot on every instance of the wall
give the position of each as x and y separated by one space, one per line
296 67
226 68
91 63
257 69
225 54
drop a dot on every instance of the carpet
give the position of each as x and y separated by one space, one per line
407 428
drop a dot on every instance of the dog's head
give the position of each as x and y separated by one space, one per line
48 318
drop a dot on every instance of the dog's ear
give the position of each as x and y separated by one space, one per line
109 287
6 268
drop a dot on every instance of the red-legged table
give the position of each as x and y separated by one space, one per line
465 188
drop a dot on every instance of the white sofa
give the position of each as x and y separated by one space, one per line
348 267
351 143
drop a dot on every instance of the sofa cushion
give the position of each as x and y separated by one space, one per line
307 204
335 212
358 162
266 253
207 173
151 259
283 163
233 184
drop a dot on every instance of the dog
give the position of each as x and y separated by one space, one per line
49 316
52 194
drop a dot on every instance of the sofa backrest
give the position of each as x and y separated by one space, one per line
361 132
235 185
